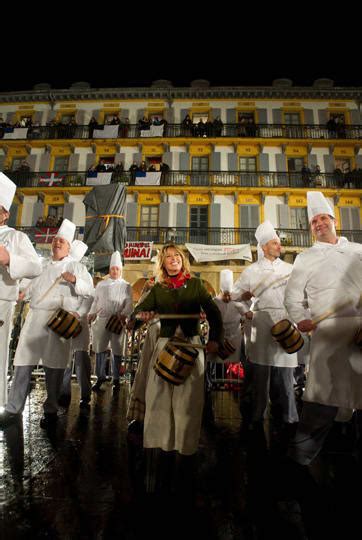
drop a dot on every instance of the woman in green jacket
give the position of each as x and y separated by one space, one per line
173 414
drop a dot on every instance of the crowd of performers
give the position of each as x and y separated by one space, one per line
319 296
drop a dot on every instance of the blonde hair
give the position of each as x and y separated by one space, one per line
160 271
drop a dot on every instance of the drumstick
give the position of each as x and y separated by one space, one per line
175 316
281 278
56 282
331 311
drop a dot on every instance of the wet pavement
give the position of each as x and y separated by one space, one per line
85 480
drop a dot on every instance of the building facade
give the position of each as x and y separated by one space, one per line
212 163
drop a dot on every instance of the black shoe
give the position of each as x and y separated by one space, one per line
49 420
84 404
97 386
8 419
64 400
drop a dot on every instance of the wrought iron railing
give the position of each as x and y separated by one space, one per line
133 131
267 179
212 235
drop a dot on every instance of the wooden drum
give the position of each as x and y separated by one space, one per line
114 325
226 349
65 324
176 360
288 336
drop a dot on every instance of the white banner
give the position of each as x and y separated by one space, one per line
99 179
154 131
148 178
108 132
16 133
204 253
136 251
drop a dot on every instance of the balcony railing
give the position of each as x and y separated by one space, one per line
213 235
267 179
220 236
132 131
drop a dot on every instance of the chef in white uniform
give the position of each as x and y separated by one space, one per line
326 276
232 313
18 260
272 368
113 296
38 343
80 344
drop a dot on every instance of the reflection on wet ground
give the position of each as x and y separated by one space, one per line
84 480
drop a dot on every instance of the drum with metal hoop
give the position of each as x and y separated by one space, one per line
288 336
65 324
176 360
114 325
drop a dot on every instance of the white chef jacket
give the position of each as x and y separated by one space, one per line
37 342
112 296
267 280
325 276
24 263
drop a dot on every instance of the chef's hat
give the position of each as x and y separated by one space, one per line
226 280
7 191
66 230
318 204
116 260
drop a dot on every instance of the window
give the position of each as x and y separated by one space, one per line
61 163
56 211
350 218
196 117
245 115
199 222
149 223
16 163
66 118
344 164
201 165
292 119
298 218
295 164
247 164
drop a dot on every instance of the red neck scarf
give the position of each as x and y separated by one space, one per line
175 282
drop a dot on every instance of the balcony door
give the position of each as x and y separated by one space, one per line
199 223
200 168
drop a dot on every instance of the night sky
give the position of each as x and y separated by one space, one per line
226 52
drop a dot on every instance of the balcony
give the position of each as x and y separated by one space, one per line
300 238
261 179
132 131
220 236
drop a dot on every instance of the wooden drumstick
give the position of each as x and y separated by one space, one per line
175 316
332 311
56 282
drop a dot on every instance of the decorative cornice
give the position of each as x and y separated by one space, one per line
170 94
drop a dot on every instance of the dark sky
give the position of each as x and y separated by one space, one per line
226 52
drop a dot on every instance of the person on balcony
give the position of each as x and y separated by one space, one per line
306 175
18 260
